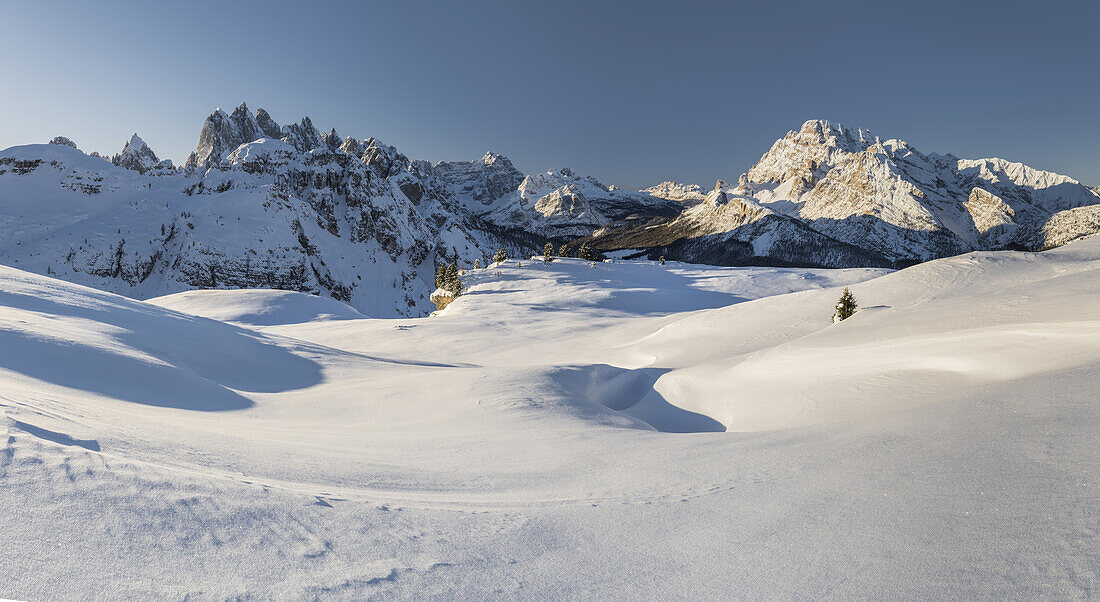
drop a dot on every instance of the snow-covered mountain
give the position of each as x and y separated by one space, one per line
137 155
675 191
882 196
259 204
562 204
887 196
367 230
731 228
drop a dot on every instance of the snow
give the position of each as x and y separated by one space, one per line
557 433
258 307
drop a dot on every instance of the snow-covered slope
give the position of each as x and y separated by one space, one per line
939 444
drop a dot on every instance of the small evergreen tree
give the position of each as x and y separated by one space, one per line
845 307
662 260
440 275
451 281
548 252
563 251
587 253
501 255
477 263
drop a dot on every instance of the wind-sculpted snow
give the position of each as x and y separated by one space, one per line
556 432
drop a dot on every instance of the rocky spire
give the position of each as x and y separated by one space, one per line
136 155
332 139
267 125
222 134
352 147
303 136
384 159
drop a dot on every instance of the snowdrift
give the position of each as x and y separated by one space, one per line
556 432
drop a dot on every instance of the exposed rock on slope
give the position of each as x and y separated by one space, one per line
137 155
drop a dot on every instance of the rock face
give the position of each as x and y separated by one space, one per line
63 141
137 155
478 184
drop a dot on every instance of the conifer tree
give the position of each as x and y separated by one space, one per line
440 275
587 253
501 255
452 282
548 252
845 307
477 263
563 251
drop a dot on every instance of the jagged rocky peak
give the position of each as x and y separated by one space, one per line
221 133
675 191
744 186
62 141
479 183
800 153
332 139
542 183
352 147
383 159
137 155
267 125
302 135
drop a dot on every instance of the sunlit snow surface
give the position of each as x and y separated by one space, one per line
556 432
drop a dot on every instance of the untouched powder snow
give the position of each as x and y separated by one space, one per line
557 432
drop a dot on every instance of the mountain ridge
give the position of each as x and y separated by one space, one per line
258 204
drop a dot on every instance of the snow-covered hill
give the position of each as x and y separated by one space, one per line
528 441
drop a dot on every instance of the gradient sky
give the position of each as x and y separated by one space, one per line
630 92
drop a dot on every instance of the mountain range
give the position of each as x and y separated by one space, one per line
263 205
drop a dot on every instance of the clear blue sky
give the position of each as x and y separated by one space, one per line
631 92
